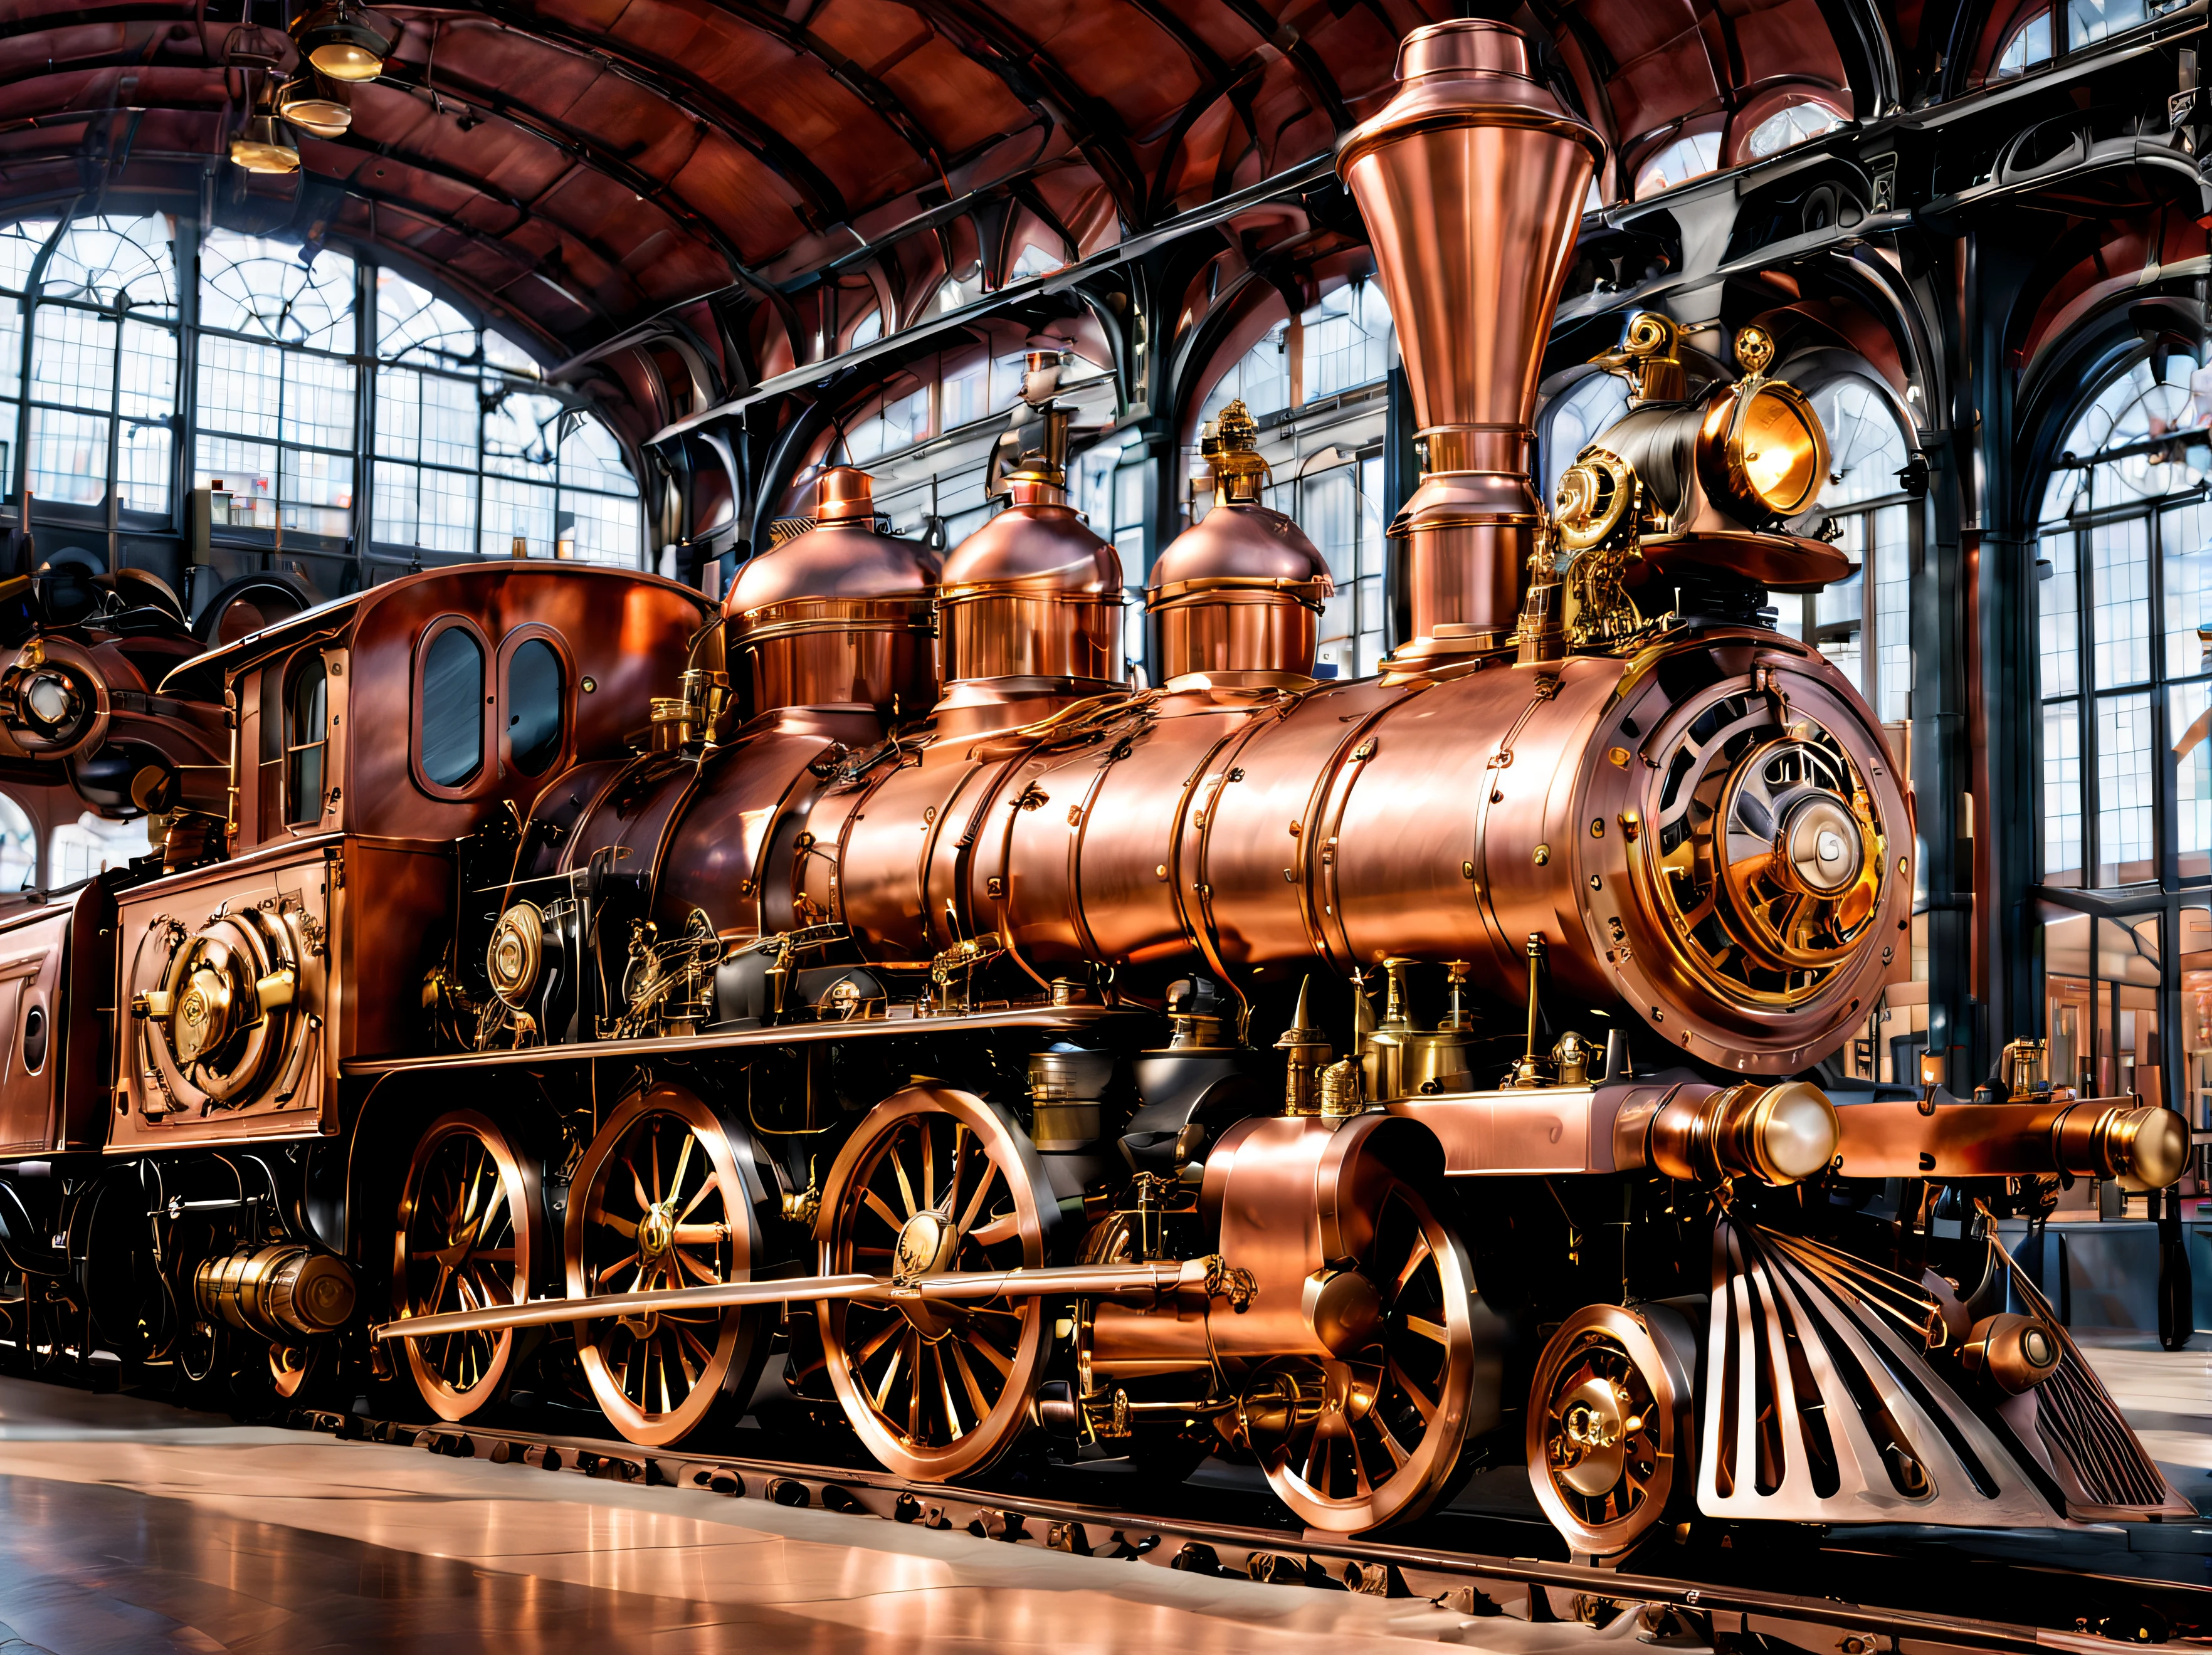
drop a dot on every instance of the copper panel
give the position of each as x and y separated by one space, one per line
717 860
1551 1128
892 873
54 963
303 887
1261 851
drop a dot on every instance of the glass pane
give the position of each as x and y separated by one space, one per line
2088 21
1347 340
1261 377
516 511
11 367
394 503
243 476
2127 1008
2061 793
148 388
241 387
2184 544
277 289
607 528
1330 517
519 435
2126 852
1865 446
451 710
449 422
2059 613
1373 543
533 706
502 353
73 358
317 492
1837 611
1129 546
1129 497
2195 1097
19 250
142 464
413 325
446 512
398 413
100 260
306 728
1892 623
318 401
2070 1024
2119 602
1574 419
69 456
2189 719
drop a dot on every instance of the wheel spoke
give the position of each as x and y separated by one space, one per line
1422 1328
1002 1228
984 1184
875 1204
914 1387
683 1163
898 1168
968 1383
890 1373
1423 1404
714 1182
974 1341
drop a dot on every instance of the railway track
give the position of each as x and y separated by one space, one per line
1994 1604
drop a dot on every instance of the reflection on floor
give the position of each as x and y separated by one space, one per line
126 1525
129 1526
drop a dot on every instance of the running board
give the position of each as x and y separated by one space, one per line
1206 1275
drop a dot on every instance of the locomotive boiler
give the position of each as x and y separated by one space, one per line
1366 1079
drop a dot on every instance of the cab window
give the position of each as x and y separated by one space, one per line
533 706
306 739
450 713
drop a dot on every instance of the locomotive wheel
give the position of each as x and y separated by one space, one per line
662 1200
1354 1445
935 1181
1610 1428
465 1239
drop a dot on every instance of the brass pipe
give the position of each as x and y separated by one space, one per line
2143 1148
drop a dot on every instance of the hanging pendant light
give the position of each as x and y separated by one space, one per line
340 43
324 108
265 143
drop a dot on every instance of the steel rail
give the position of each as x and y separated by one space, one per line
1467 1582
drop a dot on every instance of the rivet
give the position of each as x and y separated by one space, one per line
1162 870
1597 884
590 684
1543 854
1619 756
1466 871
1597 828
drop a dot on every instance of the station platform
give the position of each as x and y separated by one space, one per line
130 1526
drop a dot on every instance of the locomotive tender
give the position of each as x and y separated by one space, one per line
1362 1077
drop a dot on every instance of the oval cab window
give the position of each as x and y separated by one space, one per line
452 713
533 706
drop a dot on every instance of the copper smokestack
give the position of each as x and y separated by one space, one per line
1472 180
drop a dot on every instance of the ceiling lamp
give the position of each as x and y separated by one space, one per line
340 43
264 145
326 110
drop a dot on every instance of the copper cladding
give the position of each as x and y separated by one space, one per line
1472 180
841 615
1033 593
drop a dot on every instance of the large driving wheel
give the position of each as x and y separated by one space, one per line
466 1239
663 1199
936 1181
1354 1445
1610 1425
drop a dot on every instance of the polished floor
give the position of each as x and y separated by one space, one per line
130 1526
127 1525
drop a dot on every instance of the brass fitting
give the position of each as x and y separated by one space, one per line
1777 1134
2017 1352
2142 1149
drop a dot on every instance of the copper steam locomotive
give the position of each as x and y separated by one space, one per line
548 984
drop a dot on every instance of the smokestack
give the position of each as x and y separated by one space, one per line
1472 180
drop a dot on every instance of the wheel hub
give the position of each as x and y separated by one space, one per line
656 1231
927 1243
1586 1448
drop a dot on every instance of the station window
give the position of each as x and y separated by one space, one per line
533 706
449 710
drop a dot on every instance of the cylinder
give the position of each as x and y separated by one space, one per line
281 1291
1472 181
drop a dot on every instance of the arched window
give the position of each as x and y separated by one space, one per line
1792 124
2124 594
2029 45
1690 156
535 706
1863 623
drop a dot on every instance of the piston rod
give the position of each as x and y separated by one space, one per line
1113 1280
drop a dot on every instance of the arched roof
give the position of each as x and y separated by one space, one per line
578 166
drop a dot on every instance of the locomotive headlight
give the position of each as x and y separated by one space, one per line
516 953
1762 451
